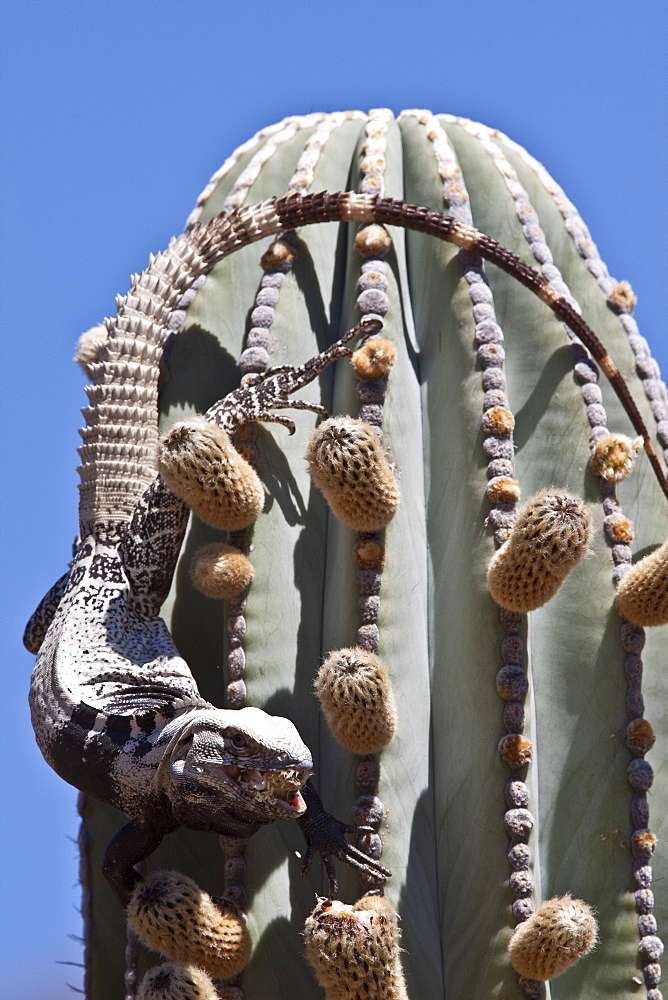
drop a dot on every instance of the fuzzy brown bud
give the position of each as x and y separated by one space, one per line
374 359
642 594
503 489
200 465
171 914
279 256
356 696
550 536
220 570
560 932
516 750
369 555
640 736
498 420
348 463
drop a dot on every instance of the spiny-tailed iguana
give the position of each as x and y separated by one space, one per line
116 710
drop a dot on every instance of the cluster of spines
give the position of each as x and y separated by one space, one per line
354 950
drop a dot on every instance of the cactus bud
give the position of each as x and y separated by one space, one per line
550 536
642 594
561 931
200 465
374 359
356 696
373 241
354 950
369 555
348 463
171 914
622 297
614 456
640 736
173 981
220 570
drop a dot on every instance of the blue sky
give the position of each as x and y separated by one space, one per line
114 116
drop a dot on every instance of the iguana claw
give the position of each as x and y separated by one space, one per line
326 834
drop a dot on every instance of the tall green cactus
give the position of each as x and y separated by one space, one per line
441 635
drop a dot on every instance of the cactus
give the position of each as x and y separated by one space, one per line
551 700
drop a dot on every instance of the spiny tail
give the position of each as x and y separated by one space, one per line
121 433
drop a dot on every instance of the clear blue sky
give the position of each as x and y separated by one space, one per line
114 115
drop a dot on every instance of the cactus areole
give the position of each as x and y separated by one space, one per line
502 752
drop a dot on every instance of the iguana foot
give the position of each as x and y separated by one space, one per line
327 835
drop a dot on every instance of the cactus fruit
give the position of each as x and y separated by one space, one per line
200 464
642 594
347 462
356 696
560 932
472 345
354 950
551 535
220 570
174 981
171 914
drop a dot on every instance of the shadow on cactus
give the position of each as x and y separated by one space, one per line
492 695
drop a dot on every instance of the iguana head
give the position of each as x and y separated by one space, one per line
227 770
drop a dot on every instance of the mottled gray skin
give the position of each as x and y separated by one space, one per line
116 710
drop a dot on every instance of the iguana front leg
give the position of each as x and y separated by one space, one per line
326 835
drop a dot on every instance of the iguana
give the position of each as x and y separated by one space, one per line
116 710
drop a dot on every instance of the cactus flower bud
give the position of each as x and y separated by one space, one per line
200 465
561 931
550 536
220 570
355 693
348 463
171 914
642 594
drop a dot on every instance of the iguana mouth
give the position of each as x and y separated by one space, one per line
280 789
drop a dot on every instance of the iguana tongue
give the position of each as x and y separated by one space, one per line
297 804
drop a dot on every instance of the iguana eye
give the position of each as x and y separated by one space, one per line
238 741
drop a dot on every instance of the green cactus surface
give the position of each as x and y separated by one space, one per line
442 637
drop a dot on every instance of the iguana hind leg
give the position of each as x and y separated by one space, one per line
133 843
